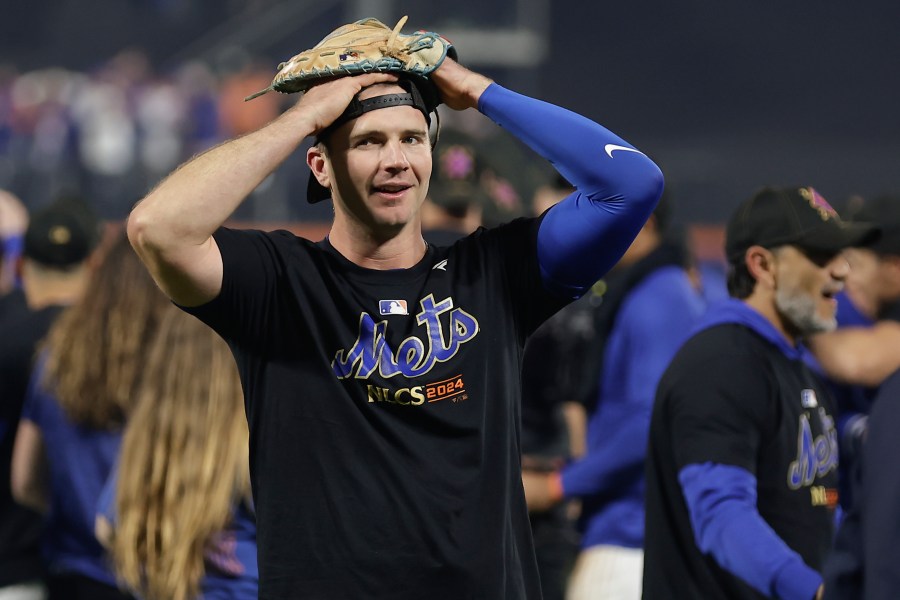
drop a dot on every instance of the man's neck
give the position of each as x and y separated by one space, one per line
400 251
61 292
766 307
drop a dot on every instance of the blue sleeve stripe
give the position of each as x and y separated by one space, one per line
721 501
618 187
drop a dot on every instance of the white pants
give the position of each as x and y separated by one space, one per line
24 591
607 573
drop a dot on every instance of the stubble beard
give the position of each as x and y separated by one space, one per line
799 310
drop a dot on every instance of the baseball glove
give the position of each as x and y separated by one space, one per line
362 47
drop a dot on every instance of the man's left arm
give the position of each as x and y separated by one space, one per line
617 188
717 414
721 501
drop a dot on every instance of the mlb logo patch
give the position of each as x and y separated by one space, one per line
349 55
808 399
392 307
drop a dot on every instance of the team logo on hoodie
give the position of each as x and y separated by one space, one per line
816 455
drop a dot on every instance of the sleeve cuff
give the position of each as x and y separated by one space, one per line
797 582
487 92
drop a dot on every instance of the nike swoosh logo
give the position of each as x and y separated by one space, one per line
441 265
610 148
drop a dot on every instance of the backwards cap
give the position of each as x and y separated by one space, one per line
62 234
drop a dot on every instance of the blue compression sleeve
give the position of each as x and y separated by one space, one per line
582 237
721 500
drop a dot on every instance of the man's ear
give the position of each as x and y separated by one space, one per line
317 161
761 265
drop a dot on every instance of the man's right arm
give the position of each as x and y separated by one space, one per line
171 228
859 355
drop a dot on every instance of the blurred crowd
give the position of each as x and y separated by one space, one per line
115 131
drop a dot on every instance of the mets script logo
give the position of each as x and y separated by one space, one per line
413 357
816 456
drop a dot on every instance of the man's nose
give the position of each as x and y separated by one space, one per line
839 267
393 155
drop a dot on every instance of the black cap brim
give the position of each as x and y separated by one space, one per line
839 236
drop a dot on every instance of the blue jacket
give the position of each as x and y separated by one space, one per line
655 318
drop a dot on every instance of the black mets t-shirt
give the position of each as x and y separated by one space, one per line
732 397
384 414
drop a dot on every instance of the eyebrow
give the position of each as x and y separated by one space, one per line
380 132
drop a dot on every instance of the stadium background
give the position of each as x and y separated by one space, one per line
725 97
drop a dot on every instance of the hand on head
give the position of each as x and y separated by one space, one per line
460 88
325 102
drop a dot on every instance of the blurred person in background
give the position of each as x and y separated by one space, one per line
54 268
648 309
860 357
242 74
13 222
863 563
177 513
79 399
199 86
452 209
508 172
742 462
870 313
870 304
42 133
103 110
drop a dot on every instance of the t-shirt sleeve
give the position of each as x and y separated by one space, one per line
515 244
253 271
718 410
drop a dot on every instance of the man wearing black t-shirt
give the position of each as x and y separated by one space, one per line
742 461
381 373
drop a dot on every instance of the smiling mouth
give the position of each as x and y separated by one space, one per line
391 192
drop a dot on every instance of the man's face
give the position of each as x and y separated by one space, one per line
805 289
864 281
381 165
